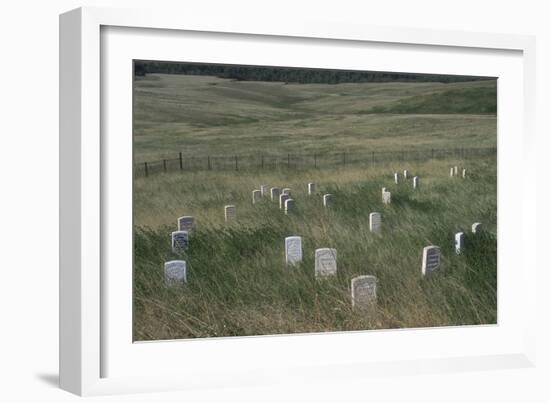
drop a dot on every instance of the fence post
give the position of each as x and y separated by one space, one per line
181 162
288 160
262 161
236 163
315 160
146 169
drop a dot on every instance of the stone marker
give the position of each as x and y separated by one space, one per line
293 250
180 241
311 188
416 181
175 272
282 199
263 190
327 200
459 242
477 227
256 196
383 191
230 213
456 171
363 292
325 262
452 172
290 205
464 173
186 223
405 174
431 259
396 178
286 191
386 197
375 222
275 192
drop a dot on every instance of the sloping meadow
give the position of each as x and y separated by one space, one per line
238 283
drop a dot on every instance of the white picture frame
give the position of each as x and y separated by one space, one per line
96 355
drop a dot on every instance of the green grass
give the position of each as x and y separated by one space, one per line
201 115
239 284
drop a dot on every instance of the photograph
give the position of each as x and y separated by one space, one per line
277 200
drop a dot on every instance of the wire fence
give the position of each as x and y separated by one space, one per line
293 161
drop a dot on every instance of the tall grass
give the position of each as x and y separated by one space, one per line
238 283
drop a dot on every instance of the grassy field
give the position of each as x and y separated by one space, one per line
238 282
201 115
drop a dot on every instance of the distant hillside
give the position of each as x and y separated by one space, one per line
291 75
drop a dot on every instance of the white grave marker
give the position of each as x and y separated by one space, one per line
396 178
282 199
383 191
325 262
293 250
327 200
180 241
363 292
456 171
431 259
290 204
416 182
386 197
452 172
311 188
405 174
186 223
175 272
230 213
477 227
375 222
459 242
256 195
275 192
263 190
286 191
464 173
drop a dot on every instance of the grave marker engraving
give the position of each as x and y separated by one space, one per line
180 241
325 262
282 199
293 250
175 272
327 200
256 195
290 204
230 213
477 227
186 223
431 259
375 222
363 292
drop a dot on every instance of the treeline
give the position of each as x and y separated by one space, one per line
288 74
